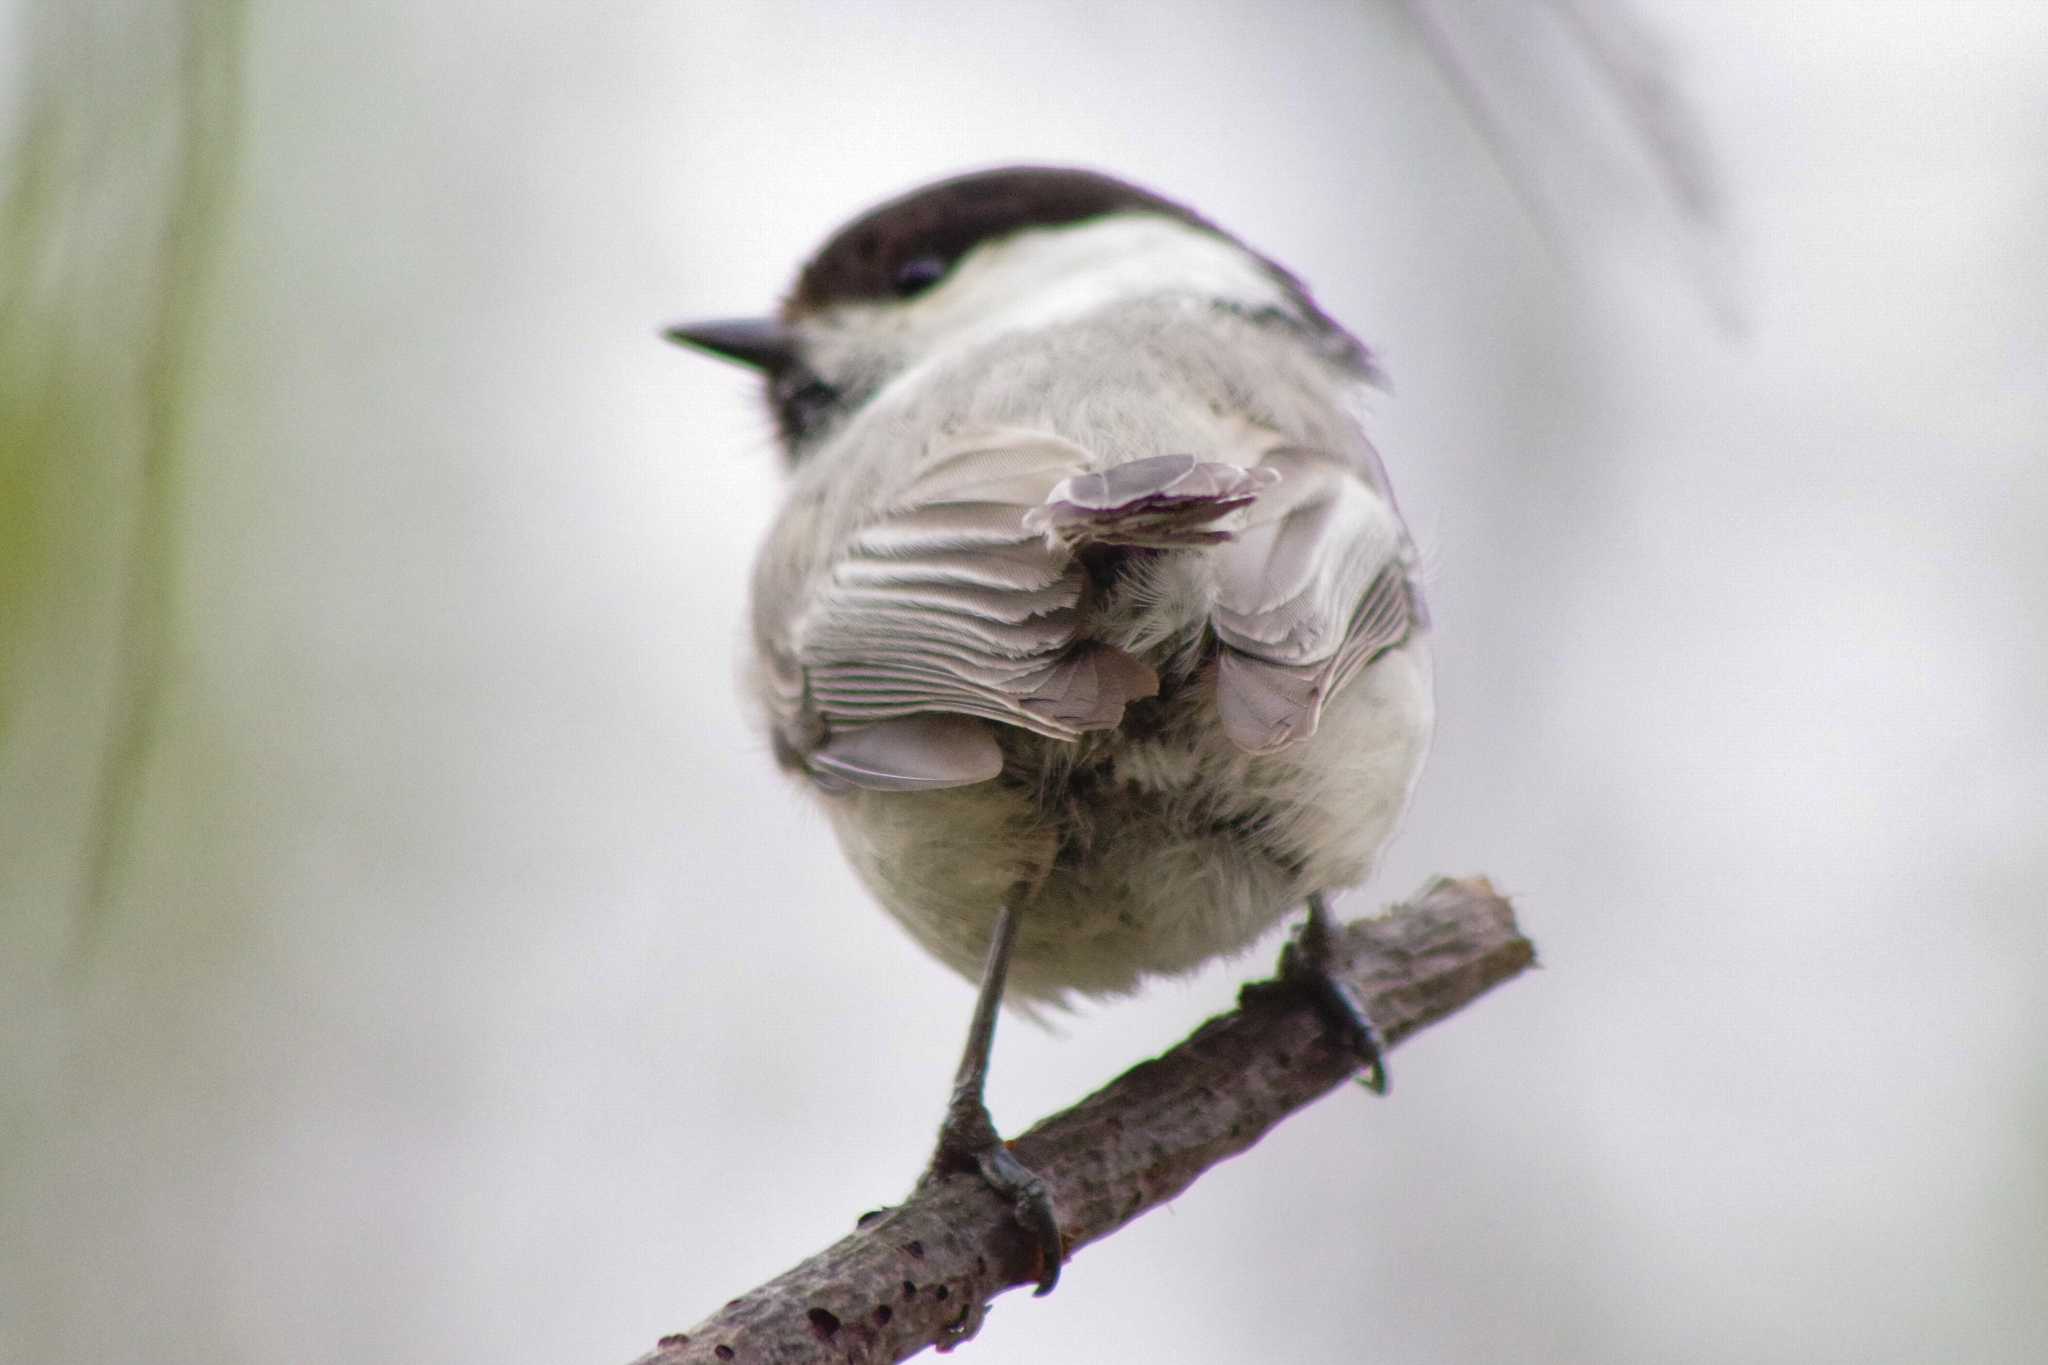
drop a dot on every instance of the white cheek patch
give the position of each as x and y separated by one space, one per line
1038 278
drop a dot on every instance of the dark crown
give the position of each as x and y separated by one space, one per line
909 243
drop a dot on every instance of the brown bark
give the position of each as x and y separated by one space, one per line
922 1274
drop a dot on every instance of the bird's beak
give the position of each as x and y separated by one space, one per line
763 343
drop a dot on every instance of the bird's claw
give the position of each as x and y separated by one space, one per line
969 1141
1304 965
1031 1205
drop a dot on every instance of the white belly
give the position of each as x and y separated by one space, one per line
1153 855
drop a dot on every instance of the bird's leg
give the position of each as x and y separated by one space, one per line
968 1140
1305 965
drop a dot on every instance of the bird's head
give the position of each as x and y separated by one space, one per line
980 255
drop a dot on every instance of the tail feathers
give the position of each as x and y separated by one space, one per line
1161 502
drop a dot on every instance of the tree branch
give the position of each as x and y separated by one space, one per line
921 1274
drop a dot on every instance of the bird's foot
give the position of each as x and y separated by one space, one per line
1305 969
968 1141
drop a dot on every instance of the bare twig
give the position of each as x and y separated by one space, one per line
922 1274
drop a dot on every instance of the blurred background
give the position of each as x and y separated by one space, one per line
408 951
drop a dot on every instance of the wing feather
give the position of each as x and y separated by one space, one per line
944 602
1310 591
959 601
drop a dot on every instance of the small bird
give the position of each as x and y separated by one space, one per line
1089 616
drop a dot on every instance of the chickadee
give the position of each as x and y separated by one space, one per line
1090 616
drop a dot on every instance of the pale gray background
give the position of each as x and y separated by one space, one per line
475 989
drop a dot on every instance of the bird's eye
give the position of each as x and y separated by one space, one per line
918 274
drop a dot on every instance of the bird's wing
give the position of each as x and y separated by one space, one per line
959 603
942 607
1311 589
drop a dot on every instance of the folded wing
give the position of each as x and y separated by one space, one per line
1314 586
961 604
948 602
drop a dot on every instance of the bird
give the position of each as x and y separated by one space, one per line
1089 615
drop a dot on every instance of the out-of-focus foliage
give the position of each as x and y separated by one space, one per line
115 154
120 145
